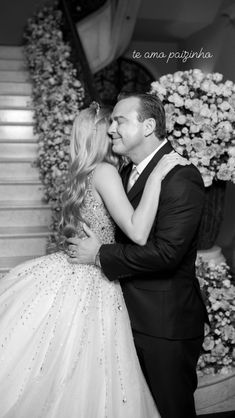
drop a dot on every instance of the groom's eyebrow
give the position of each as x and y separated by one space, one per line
117 118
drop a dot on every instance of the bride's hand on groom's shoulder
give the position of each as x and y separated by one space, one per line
167 162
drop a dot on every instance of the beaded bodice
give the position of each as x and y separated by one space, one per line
97 216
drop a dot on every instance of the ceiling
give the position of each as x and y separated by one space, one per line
173 20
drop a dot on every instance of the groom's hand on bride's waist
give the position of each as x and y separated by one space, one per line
83 251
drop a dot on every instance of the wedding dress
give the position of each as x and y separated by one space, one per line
66 347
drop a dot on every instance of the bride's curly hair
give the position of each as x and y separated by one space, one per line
90 145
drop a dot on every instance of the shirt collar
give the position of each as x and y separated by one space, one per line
141 166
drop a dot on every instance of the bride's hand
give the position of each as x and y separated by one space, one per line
167 162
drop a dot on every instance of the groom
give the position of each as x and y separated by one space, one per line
158 280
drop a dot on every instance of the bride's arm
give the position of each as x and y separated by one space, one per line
136 224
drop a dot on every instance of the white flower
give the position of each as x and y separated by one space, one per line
207 136
207 180
181 120
161 90
176 99
205 161
199 144
208 343
217 77
224 173
231 151
226 126
188 103
183 90
205 111
206 85
198 74
177 77
177 134
202 109
224 106
198 119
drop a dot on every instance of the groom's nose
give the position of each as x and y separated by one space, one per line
112 128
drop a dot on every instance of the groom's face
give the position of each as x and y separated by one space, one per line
126 131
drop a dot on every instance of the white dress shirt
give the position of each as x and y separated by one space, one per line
141 166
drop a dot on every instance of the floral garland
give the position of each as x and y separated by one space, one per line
200 120
57 98
218 355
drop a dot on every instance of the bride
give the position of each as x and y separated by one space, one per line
66 347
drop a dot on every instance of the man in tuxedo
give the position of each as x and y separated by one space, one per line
158 280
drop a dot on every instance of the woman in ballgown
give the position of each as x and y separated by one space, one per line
66 347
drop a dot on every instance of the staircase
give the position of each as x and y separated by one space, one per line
24 218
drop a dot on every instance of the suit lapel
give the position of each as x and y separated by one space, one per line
140 183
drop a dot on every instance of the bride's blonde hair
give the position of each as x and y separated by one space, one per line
89 146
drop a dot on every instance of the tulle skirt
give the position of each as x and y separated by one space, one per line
66 347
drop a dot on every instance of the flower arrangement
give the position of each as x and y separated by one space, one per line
57 97
218 354
200 120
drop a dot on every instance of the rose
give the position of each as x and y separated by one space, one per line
176 99
208 343
199 144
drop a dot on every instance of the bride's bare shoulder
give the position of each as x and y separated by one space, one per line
105 169
105 176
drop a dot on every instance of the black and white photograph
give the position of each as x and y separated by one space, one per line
117 208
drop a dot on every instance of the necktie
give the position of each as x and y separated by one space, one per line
133 177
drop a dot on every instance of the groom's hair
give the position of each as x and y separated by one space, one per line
150 107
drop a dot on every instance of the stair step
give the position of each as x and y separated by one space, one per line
12 101
12 64
21 116
17 132
23 241
24 231
21 149
14 76
24 213
15 168
12 52
19 124
15 88
20 189
7 263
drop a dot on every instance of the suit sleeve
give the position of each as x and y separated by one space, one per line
176 223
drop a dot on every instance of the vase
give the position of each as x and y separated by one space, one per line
215 393
212 215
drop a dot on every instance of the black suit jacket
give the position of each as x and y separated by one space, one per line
158 279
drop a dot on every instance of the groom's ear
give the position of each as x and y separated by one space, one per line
149 126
